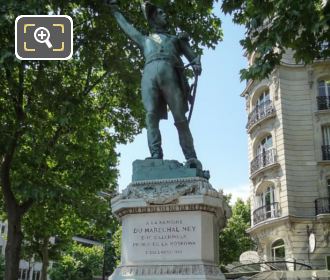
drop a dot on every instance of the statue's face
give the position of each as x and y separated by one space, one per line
160 18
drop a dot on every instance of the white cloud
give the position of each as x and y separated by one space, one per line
241 191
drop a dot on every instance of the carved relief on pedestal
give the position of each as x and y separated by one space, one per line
166 191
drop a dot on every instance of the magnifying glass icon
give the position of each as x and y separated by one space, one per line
41 35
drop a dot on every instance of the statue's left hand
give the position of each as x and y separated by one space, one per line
197 69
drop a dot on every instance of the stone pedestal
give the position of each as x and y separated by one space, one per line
170 227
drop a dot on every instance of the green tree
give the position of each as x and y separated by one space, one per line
79 263
274 26
63 221
2 266
116 243
60 121
233 239
111 255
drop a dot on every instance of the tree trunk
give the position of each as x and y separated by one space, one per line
14 242
45 259
14 209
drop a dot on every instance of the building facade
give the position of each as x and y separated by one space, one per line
289 151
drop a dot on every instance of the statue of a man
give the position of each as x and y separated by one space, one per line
163 81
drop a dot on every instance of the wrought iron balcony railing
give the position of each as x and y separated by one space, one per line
260 112
322 205
326 152
263 160
323 102
266 212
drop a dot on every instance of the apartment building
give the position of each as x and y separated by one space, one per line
288 131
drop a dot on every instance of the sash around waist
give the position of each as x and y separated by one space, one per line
171 58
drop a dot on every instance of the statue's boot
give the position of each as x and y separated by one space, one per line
154 137
186 140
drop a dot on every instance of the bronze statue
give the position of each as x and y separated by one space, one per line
163 81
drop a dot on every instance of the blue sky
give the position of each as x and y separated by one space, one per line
218 121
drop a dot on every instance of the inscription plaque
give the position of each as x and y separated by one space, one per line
168 236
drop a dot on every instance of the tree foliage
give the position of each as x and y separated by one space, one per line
63 221
111 255
60 121
274 26
2 266
79 263
116 244
233 239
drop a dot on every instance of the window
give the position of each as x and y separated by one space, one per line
267 200
324 95
326 142
278 250
265 205
265 155
324 88
23 274
327 262
2 229
261 108
263 98
265 145
36 275
322 204
326 135
263 104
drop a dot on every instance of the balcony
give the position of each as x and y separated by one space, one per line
259 113
266 212
326 152
267 158
323 102
322 205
